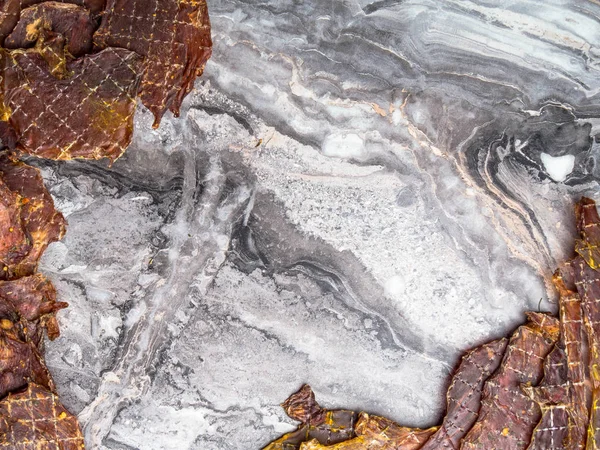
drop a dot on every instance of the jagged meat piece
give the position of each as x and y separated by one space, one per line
10 11
21 360
62 109
587 281
72 22
552 397
326 426
95 6
464 394
377 433
31 301
36 419
172 35
572 339
39 220
507 416
14 242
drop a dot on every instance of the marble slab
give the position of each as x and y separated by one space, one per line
356 193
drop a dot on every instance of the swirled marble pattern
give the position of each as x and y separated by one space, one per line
356 193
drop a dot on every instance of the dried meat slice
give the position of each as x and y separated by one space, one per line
82 111
587 281
10 11
73 22
172 35
573 341
94 6
14 241
507 416
41 222
378 433
21 361
32 301
34 418
552 395
464 394
328 427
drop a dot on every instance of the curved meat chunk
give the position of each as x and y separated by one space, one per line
464 394
174 38
36 416
40 222
64 109
21 360
73 22
32 301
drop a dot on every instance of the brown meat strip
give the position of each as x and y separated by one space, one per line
326 426
464 394
32 301
10 11
34 418
20 361
40 221
72 22
377 433
507 416
575 348
63 109
587 280
552 397
14 241
172 35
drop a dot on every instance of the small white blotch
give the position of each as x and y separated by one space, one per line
344 145
558 167
395 286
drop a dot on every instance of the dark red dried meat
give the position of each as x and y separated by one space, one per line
39 222
326 426
377 433
172 35
72 22
507 416
88 114
10 11
21 360
35 419
464 394
587 281
31 301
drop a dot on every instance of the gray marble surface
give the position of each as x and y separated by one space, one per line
356 193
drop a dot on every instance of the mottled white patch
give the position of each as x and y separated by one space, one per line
558 167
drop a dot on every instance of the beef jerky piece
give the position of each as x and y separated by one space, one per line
378 433
552 395
9 16
507 416
303 407
71 21
326 426
95 6
588 225
573 341
10 11
14 242
40 220
172 35
464 394
31 300
88 114
587 281
20 361
36 419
